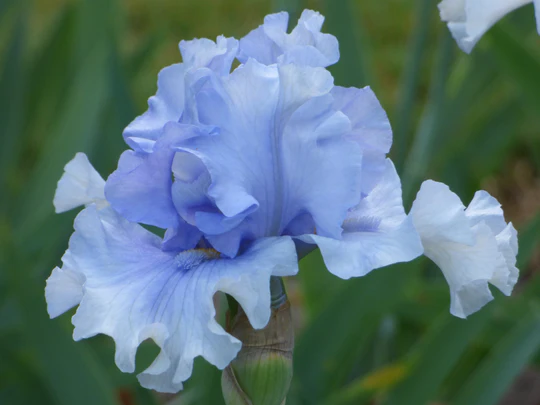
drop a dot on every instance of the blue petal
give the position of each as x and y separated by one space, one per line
168 103
377 233
280 153
140 189
370 129
217 56
134 291
305 45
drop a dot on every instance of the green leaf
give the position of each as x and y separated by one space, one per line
333 342
529 240
354 66
5 6
495 374
293 7
410 81
67 368
76 131
55 61
435 357
421 152
319 286
12 88
519 61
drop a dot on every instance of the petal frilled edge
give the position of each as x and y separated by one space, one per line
377 233
64 288
133 291
306 45
468 266
140 189
485 208
280 153
167 105
80 185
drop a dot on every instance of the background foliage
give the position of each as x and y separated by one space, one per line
74 73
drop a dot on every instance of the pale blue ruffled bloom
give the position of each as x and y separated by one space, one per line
239 169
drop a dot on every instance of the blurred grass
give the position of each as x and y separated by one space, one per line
73 73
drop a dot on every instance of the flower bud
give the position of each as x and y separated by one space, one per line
261 373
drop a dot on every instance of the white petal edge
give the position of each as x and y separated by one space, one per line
64 289
467 267
80 185
133 291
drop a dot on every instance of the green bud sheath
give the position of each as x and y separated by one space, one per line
261 373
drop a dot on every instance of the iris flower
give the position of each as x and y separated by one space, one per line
241 169
468 20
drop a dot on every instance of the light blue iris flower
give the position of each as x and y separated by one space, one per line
240 169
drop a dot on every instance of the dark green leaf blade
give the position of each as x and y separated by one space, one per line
507 358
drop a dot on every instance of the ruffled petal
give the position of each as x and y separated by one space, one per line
140 189
377 232
485 208
202 52
168 103
64 288
305 45
80 185
134 291
280 153
468 20
473 246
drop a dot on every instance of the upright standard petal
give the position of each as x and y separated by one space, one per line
281 154
468 20
305 45
473 246
168 103
80 185
370 128
376 233
134 291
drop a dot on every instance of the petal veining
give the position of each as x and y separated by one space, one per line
134 291
280 152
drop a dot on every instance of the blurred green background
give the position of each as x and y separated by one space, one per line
74 73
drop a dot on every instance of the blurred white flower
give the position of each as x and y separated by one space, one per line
468 20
